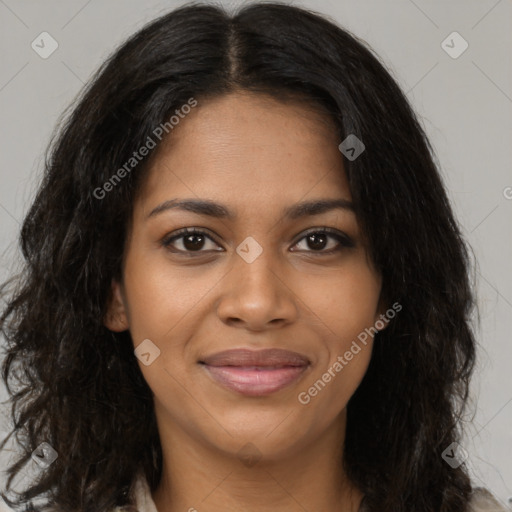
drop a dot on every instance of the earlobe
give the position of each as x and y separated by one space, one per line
116 318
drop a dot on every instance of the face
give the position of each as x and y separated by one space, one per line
269 275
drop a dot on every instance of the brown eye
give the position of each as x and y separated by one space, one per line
317 240
189 240
193 242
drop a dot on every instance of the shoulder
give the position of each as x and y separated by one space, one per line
140 496
483 501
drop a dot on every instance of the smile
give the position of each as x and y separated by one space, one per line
255 373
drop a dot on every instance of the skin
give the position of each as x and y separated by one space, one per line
256 156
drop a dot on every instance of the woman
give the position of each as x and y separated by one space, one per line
245 287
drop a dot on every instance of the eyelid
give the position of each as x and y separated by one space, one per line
342 237
344 240
180 233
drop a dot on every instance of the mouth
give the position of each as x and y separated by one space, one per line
255 373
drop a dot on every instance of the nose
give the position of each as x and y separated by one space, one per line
257 296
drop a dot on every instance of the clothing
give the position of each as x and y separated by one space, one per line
482 500
143 500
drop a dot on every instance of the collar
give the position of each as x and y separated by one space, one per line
142 495
481 500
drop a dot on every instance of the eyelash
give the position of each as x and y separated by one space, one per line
344 241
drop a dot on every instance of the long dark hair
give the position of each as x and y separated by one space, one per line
77 385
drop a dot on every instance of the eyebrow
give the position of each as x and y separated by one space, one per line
217 210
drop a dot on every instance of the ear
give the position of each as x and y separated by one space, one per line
116 318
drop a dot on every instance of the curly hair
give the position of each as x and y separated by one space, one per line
76 385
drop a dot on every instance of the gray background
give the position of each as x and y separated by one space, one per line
464 103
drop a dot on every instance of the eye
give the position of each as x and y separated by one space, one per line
318 238
189 240
192 240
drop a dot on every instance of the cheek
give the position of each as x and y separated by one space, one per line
347 310
164 298
331 388
345 304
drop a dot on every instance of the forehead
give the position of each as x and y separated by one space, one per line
248 149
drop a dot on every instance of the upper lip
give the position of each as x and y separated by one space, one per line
265 357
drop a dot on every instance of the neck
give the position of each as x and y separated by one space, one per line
196 477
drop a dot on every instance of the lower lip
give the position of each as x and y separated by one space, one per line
255 382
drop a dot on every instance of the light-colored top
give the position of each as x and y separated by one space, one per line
482 500
143 500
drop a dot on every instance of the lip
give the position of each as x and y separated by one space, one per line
255 373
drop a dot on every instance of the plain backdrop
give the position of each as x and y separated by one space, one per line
464 102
